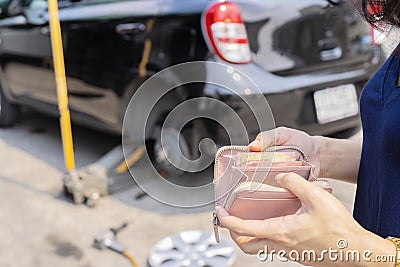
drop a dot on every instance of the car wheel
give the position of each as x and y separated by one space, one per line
164 153
9 112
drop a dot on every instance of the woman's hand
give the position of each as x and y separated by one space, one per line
332 158
285 136
318 225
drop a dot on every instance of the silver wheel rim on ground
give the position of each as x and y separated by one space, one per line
192 248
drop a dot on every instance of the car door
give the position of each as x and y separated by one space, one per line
25 55
103 45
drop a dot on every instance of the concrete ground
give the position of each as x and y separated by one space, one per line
39 226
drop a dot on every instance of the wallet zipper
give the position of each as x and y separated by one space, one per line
215 220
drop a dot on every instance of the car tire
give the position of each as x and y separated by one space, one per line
160 160
9 112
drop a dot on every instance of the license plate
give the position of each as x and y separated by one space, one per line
336 103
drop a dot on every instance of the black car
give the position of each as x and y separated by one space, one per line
310 58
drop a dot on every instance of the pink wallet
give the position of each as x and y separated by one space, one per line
245 186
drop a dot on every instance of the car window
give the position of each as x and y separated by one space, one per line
4 3
28 2
10 7
13 7
102 1
3 7
41 3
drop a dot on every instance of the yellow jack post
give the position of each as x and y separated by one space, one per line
62 93
88 184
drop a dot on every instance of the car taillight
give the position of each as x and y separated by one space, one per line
225 32
375 9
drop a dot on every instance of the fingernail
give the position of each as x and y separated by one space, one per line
255 146
278 177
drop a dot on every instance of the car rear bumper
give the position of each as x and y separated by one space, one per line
291 98
269 83
296 109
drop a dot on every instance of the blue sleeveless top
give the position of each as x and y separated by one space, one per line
377 205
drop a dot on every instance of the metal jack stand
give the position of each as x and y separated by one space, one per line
107 175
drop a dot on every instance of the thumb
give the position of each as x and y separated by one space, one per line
308 193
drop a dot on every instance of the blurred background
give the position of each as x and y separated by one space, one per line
308 59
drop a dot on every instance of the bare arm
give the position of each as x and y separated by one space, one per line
333 158
339 159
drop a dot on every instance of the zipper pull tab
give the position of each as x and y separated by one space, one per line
216 224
